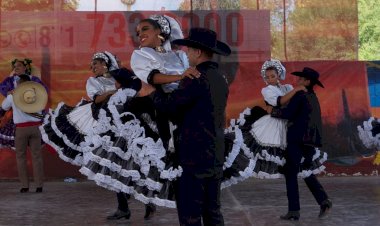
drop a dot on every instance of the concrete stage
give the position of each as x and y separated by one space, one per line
356 202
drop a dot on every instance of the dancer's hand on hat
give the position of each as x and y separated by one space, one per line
191 73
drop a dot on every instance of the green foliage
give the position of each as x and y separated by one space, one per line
369 29
318 30
315 29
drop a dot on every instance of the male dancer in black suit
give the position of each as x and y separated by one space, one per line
304 134
198 106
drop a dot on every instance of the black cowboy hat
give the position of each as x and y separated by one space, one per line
203 38
126 78
310 74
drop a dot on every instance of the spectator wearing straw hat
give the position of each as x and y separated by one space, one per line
7 128
27 101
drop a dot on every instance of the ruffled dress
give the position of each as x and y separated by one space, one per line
369 133
130 155
7 129
264 139
145 61
66 128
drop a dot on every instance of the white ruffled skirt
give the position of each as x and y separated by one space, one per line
127 155
261 141
369 133
65 129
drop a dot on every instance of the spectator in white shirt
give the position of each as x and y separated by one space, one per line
27 133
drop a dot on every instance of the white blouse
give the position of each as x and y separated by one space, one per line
145 60
271 93
18 115
99 85
268 130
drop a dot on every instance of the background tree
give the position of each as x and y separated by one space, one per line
311 29
369 30
320 30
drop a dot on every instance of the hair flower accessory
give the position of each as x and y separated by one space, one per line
276 64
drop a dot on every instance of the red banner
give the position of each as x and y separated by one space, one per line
61 44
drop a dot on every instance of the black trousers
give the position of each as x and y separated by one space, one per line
122 201
293 156
163 127
198 199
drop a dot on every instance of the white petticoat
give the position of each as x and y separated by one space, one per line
81 117
365 134
270 131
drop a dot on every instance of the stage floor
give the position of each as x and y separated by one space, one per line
356 202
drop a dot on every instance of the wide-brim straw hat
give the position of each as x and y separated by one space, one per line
30 97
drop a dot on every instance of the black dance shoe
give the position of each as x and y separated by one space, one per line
150 209
24 190
291 215
119 214
325 208
38 189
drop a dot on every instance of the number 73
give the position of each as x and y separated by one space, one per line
118 37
